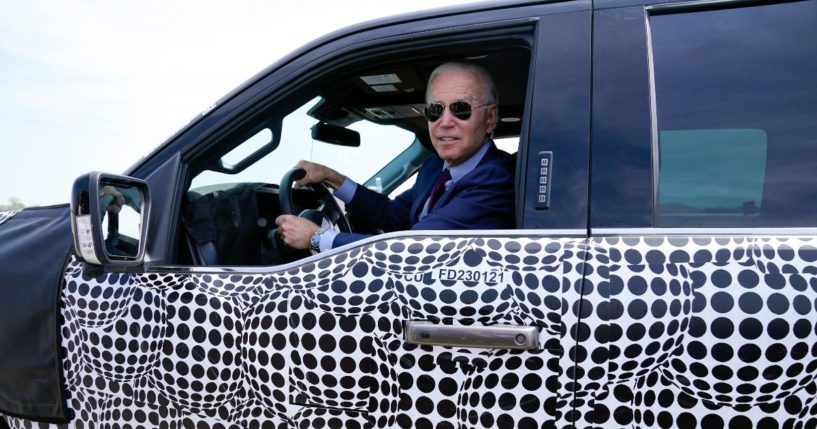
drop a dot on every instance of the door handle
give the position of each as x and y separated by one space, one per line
490 337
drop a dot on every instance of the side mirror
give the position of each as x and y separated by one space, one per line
108 219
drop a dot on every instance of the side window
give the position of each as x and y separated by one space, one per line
376 134
736 100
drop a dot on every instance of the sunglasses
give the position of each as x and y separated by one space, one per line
460 109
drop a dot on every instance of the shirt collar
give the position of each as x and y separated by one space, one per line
469 164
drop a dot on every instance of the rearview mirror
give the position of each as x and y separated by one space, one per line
334 134
108 219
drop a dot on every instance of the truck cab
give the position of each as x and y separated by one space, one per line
661 272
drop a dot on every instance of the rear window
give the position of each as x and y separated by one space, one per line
736 100
711 173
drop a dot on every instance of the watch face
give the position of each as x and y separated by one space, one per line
315 241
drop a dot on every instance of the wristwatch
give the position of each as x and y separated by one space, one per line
315 241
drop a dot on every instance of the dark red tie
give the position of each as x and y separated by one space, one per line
439 188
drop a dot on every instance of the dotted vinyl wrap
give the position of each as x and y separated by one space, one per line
699 332
4 216
663 332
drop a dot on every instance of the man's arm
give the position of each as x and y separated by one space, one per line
395 215
372 208
482 200
379 211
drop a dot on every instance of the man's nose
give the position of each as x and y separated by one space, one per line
447 119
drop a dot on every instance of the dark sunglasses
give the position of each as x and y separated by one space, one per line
460 109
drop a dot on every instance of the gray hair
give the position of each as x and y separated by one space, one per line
487 85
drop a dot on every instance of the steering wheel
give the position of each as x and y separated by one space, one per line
328 208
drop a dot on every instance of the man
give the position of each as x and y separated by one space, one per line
467 185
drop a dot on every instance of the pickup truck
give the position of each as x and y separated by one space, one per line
661 273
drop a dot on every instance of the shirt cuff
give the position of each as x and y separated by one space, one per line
327 239
346 191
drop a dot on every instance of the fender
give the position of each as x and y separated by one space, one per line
34 245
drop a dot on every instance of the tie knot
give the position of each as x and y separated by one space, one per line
445 176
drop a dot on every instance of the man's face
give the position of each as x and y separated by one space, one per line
455 140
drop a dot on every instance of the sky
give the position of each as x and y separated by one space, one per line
95 85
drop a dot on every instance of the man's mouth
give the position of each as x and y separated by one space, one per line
446 139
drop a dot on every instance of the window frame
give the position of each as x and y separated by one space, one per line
560 99
279 87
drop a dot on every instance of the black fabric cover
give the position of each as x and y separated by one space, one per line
227 218
34 245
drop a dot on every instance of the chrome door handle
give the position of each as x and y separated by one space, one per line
491 336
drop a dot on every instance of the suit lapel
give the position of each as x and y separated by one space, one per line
428 175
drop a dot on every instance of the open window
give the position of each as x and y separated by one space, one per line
364 120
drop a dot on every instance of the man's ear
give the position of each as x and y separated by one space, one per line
491 119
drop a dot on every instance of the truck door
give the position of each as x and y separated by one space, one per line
702 217
405 329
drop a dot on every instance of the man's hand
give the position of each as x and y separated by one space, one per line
295 231
317 173
118 200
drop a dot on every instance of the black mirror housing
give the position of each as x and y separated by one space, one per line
109 215
334 134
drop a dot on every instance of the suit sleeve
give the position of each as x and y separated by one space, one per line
381 212
483 199
378 210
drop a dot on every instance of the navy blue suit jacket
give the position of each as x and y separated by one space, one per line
482 199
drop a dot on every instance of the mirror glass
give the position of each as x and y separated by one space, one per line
120 209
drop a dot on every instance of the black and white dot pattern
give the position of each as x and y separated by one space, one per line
4 216
700 332
636 332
